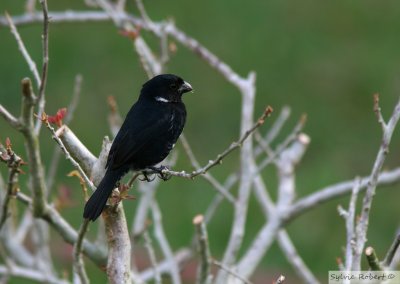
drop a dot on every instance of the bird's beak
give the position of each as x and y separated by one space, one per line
186 87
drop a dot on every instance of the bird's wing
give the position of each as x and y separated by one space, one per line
140 125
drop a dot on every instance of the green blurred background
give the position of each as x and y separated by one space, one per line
322 58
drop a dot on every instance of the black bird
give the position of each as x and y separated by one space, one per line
149 132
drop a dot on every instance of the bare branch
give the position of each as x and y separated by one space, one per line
283 238
294 258
24 226
30 6
77 149
30 274
392 251
288 159
79 268
180 257
226 152
22 48
335 191
53 217
13 121
38 185
152 256
164 244
43 81
212 207
76 93
362 226
378 113
286 163
57 152
60 17
207 176
349 217
247 166
119 256
66 153
204 275
114 118
120 5
142 11
294 134
148 191
13 162
276 128
230 271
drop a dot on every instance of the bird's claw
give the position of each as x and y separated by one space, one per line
160 172
147 177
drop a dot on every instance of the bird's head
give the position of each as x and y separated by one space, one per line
165 88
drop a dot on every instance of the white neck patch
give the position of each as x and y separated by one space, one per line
161 99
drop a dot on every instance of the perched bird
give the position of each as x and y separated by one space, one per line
149 132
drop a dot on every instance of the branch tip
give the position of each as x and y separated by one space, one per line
198 219
372 259
376 102
304 139
27 90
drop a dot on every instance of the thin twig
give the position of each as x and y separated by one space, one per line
349 217
70 114
164 244
142 11
76 94
214 204
12 120
43 80
24 51
30 274
140 220
294 258
25 225
181 256
13 163
114 117
276 128
234 145
152 256
392 251
66 152
79 267
281 147
337 190
207 176
230 271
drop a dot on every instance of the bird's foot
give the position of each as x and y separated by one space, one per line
161 172
147 177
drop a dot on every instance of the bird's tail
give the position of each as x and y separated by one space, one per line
96 203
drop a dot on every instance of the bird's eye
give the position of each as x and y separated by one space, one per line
173 86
